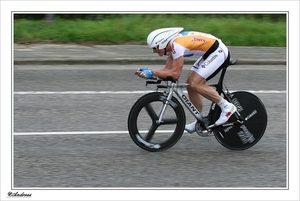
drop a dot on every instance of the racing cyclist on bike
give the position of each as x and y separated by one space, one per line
213 56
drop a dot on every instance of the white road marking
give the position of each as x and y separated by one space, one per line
84 132
104 92
123 92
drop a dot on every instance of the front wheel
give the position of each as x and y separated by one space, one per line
245 135
143 125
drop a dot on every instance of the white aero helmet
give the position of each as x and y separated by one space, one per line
161 37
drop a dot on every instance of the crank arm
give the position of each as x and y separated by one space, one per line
225 124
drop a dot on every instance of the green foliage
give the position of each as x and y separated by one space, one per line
233 29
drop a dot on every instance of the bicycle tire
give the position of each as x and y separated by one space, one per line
142 126
247 134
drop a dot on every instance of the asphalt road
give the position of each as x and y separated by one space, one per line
70 130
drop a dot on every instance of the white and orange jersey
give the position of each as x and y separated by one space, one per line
191 43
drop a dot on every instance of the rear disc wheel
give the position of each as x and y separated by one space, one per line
245 135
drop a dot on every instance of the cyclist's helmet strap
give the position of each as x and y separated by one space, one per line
159 38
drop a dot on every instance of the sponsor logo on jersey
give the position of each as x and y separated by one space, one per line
195 39
206 63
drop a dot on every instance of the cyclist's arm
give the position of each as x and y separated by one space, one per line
172 69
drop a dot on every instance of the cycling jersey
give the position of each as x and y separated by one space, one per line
191 43
213 53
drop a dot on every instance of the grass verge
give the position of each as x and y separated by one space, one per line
234 30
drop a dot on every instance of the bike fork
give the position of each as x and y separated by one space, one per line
165 105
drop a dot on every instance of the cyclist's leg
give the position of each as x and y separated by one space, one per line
197 89
198 83
195 97
205 69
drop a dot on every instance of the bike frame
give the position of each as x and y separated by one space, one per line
238 133
174 87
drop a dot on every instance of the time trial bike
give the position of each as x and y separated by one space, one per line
157 120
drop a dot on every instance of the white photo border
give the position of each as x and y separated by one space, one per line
8 7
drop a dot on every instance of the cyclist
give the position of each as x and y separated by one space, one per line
213 56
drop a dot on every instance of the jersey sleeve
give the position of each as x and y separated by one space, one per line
177 50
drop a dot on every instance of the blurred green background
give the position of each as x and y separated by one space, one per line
233 29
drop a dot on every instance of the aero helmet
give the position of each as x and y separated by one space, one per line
161 37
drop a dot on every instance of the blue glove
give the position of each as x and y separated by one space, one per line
146 73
